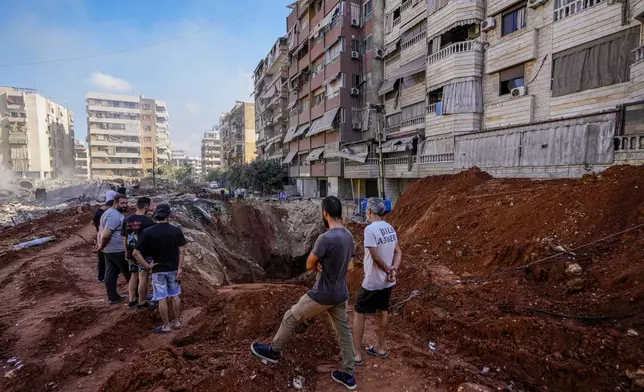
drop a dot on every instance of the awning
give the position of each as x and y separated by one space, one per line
411 68
315 154
388 86
326 122
314 126
396 145
391 47
268 146
290 134
301 130
357 153
289 157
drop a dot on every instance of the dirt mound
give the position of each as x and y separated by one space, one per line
212 354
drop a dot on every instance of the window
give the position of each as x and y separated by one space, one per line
355 45
317 68
304 104
147 139
367 8
334 51
146 117
318 6
355 80
367 45
342 116
318 99
148 149
510 78
147 128
393 120
513 21
413 31
148 160
411 80
147 106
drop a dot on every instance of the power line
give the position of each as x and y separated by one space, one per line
132 49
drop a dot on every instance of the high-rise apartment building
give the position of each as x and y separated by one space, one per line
81 160
195 162
127 135
237 131
36 135
211 150
178 158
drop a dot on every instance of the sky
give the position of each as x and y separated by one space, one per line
196 55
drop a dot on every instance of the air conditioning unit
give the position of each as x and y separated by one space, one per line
355 91
519 91
474 31
488 24
355 22
357 125
355 55
536 3
379 53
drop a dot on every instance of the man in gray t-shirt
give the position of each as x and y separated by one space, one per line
111 244
330 257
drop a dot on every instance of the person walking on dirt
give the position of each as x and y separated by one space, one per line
111 244
96 221
133 226
164 243
330 257
382 257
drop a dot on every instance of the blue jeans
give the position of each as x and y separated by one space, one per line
164 285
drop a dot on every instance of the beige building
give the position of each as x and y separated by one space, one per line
81 160
127 135
211 150
237 130
36 135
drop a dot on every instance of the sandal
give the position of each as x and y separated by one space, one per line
160 330
371 350
357 363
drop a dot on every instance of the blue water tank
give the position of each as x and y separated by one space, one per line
363 206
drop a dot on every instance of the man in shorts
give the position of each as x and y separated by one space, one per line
164 243
330 257
133 226
382 257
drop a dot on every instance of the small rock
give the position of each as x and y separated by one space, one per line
253 377
485 370
265 362
10 374
120 350
632 332
298 382
470 387
169 372
573 269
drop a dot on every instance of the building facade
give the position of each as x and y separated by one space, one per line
36 135
195 162
211 150
127 135
178 158
237 132
81 160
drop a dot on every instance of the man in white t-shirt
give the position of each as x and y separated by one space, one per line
382 258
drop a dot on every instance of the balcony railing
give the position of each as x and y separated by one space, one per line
629 143
397 21
405 5
639 53
413 121
431 108
573 7
413 40
457 47
437 158
17 138
392 129
368 161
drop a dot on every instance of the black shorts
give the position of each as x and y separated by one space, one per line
369 302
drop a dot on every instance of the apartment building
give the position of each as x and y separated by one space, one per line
195 162
335 64
271 101
81 160
178 158
211 150
127 135
237 131
36 135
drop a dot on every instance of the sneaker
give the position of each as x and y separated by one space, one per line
133 304
265 351
344 378
146 305
120 299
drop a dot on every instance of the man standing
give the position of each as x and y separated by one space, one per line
111 244
164 243
382 258
96 221
133 226
330 257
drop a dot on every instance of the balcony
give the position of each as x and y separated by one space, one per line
304 89
114 132
114 143
454 13
111 109
294 171
410 13
460 59
583 21
303 62
318 170
304 117
18 138
368 169
574 7
113 120
317 80
305 171
413 124
292 69
516 49
457 123
317 111
413 47
103 165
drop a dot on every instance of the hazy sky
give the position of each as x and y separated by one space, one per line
197 55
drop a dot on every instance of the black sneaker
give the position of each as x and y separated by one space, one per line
133 304
344 378
265 351
120 299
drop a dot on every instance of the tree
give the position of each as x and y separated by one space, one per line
261 176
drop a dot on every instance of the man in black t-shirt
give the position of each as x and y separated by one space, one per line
163 243
133 226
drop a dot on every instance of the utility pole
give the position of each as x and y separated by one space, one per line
154 168
380 110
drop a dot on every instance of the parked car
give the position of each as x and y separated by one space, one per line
214 185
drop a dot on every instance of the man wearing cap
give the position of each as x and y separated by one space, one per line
96 221
164 243
382 258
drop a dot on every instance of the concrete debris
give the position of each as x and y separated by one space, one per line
637 377
470 387
573 269
632 332
298 382
32 243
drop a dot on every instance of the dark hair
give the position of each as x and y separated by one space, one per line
109 203
118 197
143 202
333 207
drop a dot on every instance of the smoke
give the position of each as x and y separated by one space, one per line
67 173
7 179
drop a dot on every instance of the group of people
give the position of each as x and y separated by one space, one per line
330 258
227 194
139 248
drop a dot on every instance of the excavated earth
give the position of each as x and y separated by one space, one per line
519 285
